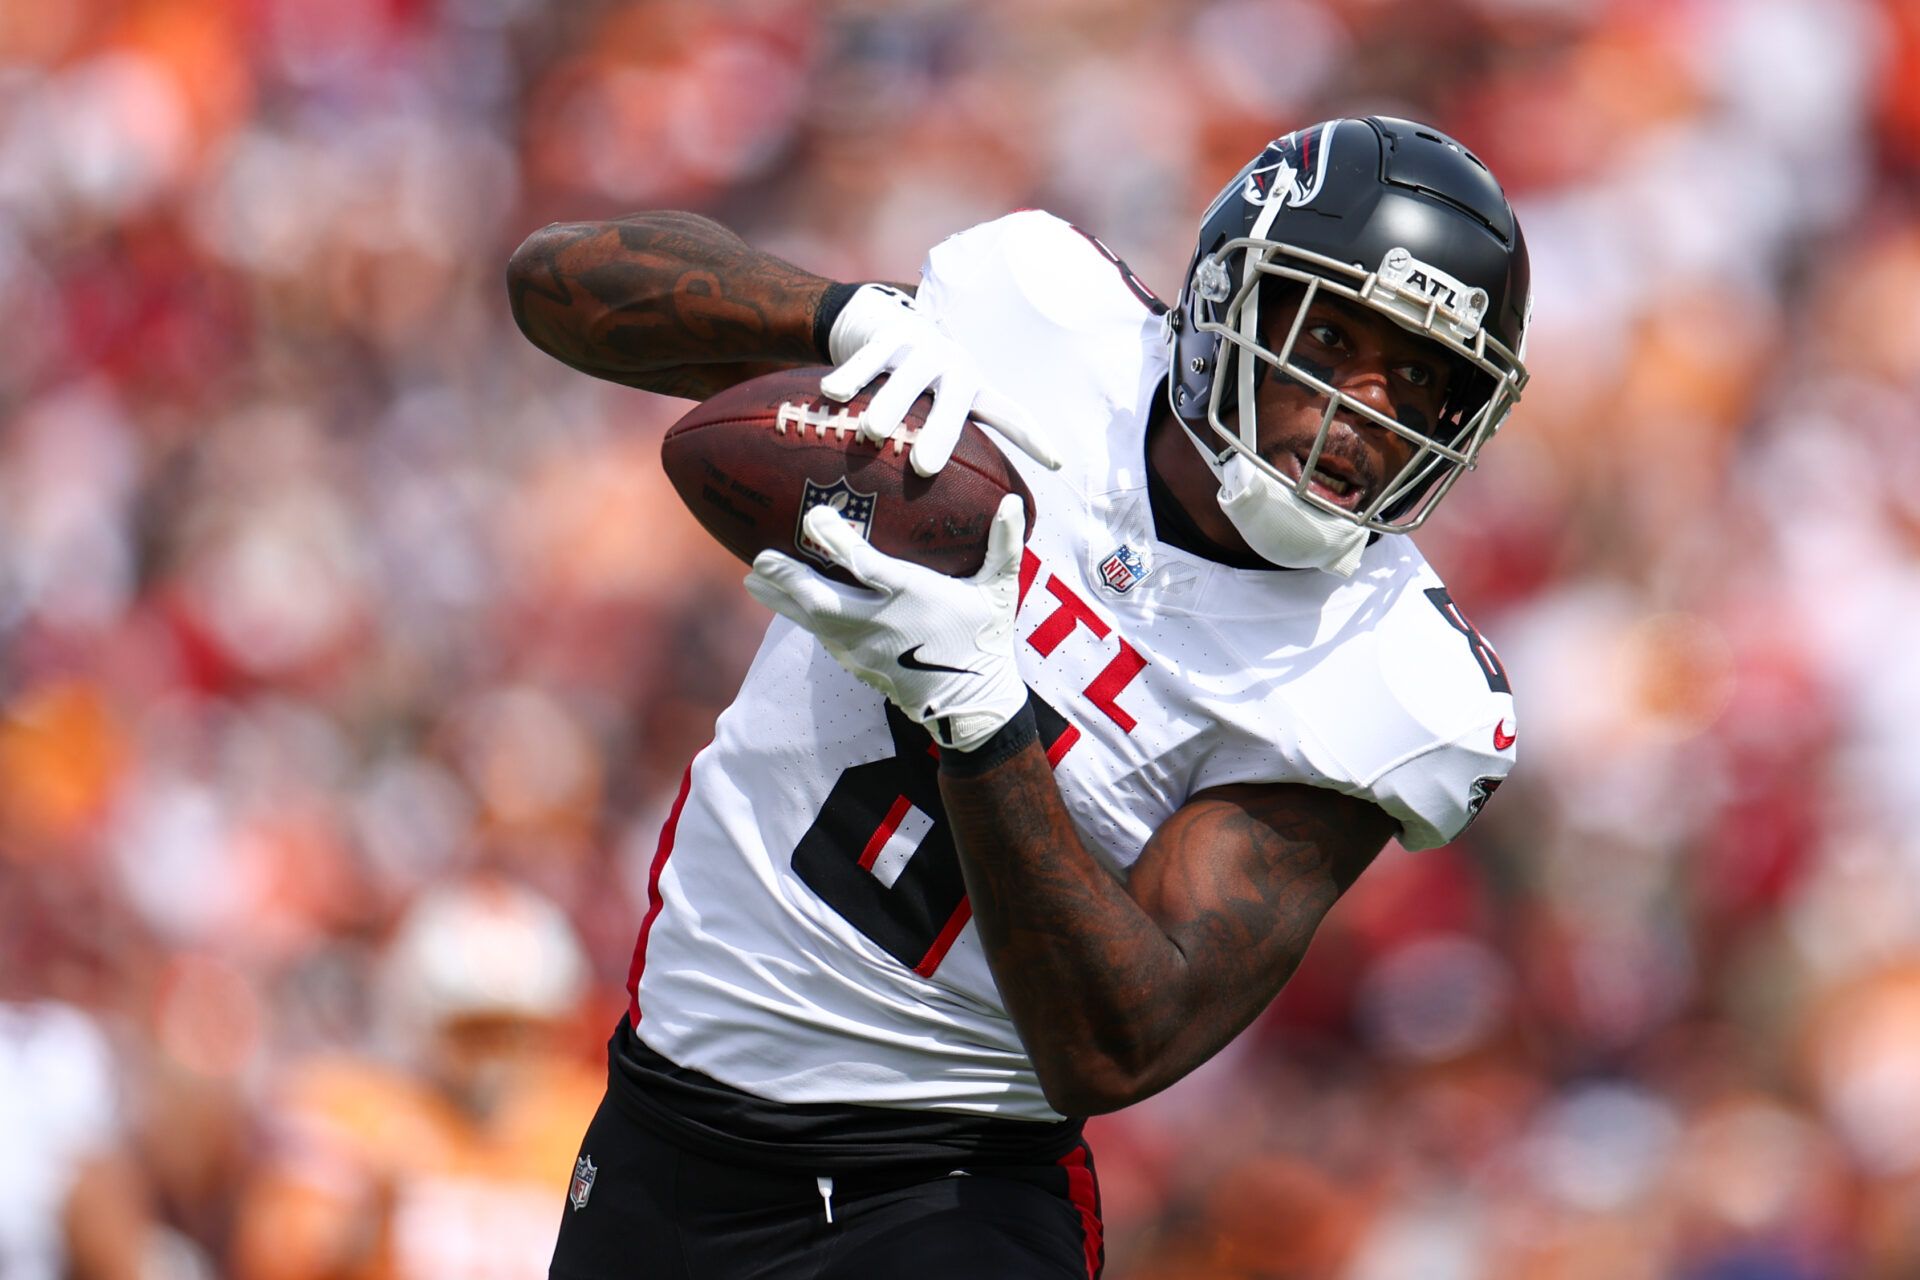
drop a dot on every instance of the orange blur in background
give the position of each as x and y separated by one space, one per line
324 598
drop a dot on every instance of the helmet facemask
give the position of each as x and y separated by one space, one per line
1414 295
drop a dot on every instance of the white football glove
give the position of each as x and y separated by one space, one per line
939 648
879 331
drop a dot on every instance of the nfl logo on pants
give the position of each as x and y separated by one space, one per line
583 1172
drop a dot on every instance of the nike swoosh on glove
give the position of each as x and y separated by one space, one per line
880 331
939 648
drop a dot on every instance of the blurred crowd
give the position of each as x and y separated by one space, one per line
350 649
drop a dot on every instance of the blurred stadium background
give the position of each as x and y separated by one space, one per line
339 628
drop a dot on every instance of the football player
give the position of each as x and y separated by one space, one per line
448 1165
969 860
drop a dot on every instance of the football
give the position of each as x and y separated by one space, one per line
752 460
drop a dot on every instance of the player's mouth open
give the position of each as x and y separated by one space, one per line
1330 481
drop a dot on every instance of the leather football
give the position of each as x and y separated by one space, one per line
750 461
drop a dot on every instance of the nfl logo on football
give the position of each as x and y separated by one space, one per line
583 1174
855 507
1123 570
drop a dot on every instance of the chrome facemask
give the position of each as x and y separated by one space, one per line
1414 295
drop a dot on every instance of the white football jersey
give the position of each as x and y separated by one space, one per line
807 937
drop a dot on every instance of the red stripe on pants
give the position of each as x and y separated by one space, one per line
1085 1195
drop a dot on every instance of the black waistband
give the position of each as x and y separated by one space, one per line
722 1123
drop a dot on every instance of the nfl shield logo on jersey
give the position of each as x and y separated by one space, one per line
855 507
583 1174
1124 569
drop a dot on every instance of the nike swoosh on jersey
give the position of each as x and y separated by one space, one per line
1501 738
911 661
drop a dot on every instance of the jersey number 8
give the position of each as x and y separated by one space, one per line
913 907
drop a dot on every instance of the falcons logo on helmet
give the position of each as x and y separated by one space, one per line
1277 176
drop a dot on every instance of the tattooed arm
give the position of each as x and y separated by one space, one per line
667 302
1118 990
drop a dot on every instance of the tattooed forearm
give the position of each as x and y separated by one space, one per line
1120 989
537 275
668 302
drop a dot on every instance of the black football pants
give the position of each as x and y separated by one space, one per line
656 1212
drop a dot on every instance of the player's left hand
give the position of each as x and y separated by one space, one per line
880 331
940 648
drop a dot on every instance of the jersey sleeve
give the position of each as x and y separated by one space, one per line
1413 713
1441 732
1433 790
1437 793
1057 323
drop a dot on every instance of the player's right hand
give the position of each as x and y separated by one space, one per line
940 648
880 331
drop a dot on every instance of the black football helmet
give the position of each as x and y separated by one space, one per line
1385 213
